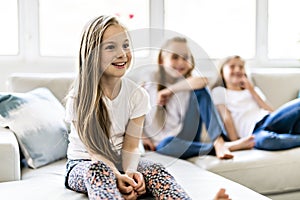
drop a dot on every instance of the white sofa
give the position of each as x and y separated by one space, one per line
274 174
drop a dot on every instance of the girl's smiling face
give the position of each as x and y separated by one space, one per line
176 59
233 72
115 51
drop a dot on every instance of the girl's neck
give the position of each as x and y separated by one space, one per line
111 87
233 87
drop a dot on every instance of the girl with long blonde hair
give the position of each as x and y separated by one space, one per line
106 112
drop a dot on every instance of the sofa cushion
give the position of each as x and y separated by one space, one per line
266 172
279 85
47 182
37 119
57 83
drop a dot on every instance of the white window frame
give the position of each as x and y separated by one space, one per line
29 39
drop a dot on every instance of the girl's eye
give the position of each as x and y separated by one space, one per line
126 46
110 47
175 56
185 57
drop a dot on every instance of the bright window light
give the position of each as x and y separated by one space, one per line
62 21
221 28
284 29
9 27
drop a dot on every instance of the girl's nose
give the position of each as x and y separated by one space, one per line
236 68
121 53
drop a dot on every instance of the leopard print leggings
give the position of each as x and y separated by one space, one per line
99 182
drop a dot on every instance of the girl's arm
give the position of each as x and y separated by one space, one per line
131 154
130 150
190 83
247 85
228 122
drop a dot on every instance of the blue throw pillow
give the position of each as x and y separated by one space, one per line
37 119
299 94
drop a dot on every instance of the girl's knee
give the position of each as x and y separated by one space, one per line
269 142
100 169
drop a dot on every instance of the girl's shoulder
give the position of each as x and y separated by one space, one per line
133 88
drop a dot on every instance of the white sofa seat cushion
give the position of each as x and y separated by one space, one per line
199 183
48 182
267 172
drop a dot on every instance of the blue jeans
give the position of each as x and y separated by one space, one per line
281 129
187 143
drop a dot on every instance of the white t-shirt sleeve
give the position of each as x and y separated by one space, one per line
139 102
69 117
219 95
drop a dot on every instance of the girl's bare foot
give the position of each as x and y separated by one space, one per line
241 144
222 151
221 195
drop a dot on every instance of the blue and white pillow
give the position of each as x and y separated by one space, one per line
37 119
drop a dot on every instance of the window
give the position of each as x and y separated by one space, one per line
9 27
284 29
62 21
221 28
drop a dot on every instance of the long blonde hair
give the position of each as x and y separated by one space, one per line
93 123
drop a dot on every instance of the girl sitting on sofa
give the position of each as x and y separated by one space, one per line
107 112
245 112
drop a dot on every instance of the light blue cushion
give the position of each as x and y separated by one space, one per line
299 94
37 119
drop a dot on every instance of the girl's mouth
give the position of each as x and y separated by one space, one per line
119 65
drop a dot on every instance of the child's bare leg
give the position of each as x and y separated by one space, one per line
222 151
241 144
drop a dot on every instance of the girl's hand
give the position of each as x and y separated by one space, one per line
148 144
245 83
139 179
126 186
163 96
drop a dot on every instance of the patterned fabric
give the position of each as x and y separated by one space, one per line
99 182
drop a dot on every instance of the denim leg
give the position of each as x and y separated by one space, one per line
285 119
192 124
268 140
179 148
209 114
187 143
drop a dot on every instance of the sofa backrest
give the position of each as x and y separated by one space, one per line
279 85
58 83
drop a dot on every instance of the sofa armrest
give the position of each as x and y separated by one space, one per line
9 156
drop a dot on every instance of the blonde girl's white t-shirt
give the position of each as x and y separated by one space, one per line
243 108
176 109
131 102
